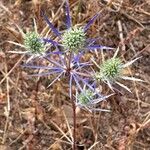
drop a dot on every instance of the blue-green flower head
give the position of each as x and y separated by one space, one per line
74 39
110 69
113 70
33 44
85 97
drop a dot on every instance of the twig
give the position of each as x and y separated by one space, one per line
131 45
14 141
7 110
69 129
144 49
26 142
136 90
131 18
11 81
144 12
64 134
93 145
5 8
12 69
131 35
121 35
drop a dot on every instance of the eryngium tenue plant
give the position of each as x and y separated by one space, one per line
64 61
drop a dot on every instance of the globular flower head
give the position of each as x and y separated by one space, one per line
85 97
88 99
110 70
33 43
74 39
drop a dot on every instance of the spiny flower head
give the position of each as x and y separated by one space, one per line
88 99
110 69
85 97
74 39
33 44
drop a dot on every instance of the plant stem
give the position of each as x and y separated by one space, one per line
73 105
74 123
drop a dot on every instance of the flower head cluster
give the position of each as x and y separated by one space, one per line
67 63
